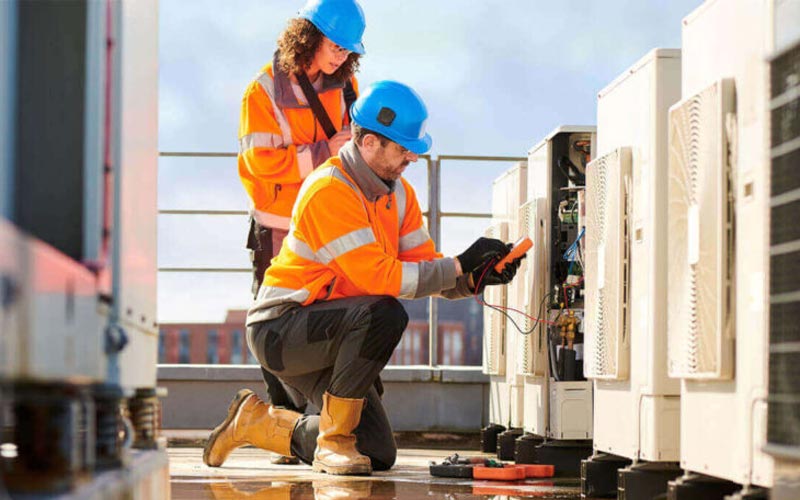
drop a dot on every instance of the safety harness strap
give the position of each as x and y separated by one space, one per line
315 104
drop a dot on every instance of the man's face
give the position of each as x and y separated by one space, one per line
391 160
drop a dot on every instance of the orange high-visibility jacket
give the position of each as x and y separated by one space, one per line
281 142
351 235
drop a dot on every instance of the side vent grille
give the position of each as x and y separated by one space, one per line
532 360
494 322
700 323
607 266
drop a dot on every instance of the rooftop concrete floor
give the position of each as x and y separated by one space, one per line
249 474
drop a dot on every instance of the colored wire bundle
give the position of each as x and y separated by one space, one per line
572 251
503 309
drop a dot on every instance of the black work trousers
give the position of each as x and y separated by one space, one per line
338 346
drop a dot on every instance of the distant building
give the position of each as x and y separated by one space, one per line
206 343
459 339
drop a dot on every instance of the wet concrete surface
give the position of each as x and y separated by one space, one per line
249 474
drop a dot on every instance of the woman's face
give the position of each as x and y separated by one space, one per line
329 57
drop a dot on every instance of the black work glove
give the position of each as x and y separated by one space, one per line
480 252
485 275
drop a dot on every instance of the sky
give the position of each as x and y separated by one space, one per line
496 75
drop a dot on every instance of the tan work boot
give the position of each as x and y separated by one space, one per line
251 421
336 445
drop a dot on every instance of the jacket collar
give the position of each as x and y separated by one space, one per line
284 95
372 186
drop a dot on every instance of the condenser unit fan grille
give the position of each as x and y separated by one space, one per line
700 245
783 421
607 261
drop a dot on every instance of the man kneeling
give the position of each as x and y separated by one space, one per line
327 319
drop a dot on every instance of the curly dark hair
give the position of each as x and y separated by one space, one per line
299 42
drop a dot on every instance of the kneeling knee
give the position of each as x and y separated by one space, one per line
385 458
387 322
389 315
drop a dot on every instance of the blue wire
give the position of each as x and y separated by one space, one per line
569 254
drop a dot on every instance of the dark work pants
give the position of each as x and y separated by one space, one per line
264 243
338 346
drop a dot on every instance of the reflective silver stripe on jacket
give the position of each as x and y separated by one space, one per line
400 194
339 175
321 173
414 239
274 295
268 85
310 180
409 281
272 301
336 248
348 242
299 247
259 140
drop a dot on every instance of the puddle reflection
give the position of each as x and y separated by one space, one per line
339 488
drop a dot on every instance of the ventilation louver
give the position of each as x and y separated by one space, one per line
533 348
607 266
700 246
494 322
783 426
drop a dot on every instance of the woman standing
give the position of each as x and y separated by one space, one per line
295 115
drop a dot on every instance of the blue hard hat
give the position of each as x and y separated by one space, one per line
340 20
395 111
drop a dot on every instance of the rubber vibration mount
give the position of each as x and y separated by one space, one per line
599 475
697 487
489 437
566 456
525 448
645 480
506 443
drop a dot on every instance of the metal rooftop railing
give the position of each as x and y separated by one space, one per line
434 214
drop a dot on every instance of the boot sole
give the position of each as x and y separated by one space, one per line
343 470
284 460
232 409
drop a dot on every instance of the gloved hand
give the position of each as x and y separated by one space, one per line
483 277
480 252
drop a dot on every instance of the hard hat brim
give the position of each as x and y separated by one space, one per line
418 146
357 47
330 32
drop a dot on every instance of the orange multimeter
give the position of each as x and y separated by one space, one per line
518 250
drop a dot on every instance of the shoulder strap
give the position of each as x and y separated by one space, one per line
349 97
315 104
